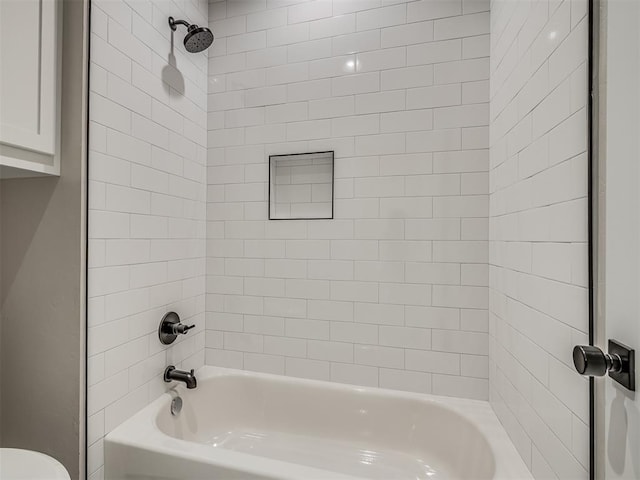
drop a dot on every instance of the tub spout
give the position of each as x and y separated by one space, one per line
188 378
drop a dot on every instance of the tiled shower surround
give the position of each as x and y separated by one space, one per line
393 291
446 263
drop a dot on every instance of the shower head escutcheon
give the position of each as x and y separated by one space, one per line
197 38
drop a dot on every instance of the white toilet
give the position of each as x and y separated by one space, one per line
16 464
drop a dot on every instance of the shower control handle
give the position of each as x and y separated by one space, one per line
181 328
618 363
170 327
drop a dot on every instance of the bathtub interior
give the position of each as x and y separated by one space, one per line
364 434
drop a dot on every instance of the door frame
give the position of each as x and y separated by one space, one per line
597 160
594 213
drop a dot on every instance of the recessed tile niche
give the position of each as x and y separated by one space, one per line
301 186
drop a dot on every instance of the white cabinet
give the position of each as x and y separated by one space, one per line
30 61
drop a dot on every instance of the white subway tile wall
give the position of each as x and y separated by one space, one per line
450 267
394 291
147 206
538 231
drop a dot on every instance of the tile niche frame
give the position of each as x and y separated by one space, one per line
291 156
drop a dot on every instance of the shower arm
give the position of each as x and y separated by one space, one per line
174 23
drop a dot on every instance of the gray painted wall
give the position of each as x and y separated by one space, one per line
42 221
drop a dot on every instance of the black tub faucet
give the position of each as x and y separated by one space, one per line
170 373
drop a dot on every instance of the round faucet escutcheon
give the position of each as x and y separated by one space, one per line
170 327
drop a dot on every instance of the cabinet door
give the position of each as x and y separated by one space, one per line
29 70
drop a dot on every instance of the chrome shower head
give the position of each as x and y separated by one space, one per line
197 38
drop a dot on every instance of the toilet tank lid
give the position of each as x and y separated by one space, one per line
18 464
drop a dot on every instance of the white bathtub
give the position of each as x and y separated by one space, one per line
244 425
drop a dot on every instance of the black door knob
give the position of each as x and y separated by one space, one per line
590 360
619 363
